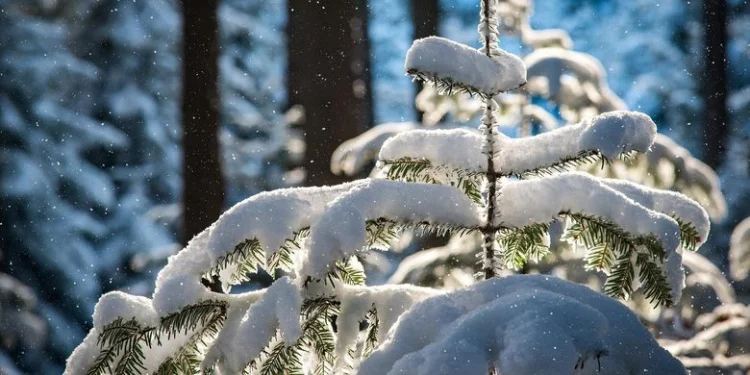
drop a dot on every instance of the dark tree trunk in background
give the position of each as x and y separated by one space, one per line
203 191
329 75
425 15
714 81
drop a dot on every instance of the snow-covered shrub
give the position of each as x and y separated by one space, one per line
310 320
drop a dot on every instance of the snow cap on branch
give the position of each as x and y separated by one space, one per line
452 64
588 195
271 218
342 230
609 134
540 325
667 202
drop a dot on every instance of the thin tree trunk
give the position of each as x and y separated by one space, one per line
425 15
714 81
329 75
203 190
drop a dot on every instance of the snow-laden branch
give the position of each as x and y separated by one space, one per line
609 135
520 325
271 218
519 207
669 203
342 230
451 65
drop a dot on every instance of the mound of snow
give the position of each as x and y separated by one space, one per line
520 325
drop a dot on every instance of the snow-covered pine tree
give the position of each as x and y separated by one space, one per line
321 318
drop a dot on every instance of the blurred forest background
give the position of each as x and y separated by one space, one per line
105 171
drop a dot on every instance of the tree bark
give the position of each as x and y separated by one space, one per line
714 81
425 15
329 75
203 183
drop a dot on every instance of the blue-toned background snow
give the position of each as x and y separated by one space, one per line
80 92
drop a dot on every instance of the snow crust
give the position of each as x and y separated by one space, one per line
611 134
461 64
541 325
341 230
589 195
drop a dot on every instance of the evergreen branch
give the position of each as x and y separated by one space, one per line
447 86
422 170
381 234
689 237
518 246
192 317
371 341
249 257
283 258
121 339
283 360
610 249
619 283
563 165
187 360
655 284
344 271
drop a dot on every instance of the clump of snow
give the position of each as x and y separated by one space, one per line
460 64
117 304
539 325
390 301
278 309
554 64
460 148
611 134
342 228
